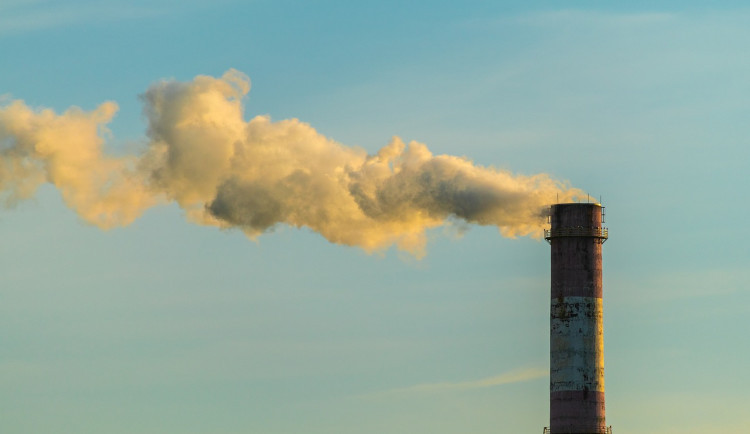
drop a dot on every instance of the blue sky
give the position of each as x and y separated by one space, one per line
166 326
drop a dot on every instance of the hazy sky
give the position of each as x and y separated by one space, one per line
166 326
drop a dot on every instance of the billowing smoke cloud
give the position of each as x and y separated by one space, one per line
231 173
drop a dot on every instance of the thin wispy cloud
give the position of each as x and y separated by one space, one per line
28 16
681 285
556 18
515 376
22 17
567 16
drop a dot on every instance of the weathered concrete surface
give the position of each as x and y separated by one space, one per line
576 344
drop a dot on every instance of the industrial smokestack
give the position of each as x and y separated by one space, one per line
576 334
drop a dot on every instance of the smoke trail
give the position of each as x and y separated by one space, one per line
227 172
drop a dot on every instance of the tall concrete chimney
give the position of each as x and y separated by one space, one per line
576 334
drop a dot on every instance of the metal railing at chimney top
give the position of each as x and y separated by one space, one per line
601 234
607 430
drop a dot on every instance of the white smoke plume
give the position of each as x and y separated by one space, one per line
257 174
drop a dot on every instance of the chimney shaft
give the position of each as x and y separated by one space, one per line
576 334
